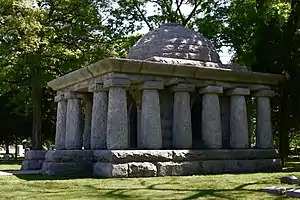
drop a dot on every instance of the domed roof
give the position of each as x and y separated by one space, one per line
174 41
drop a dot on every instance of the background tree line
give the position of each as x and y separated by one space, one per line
43 39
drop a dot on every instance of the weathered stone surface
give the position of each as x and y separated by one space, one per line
74 133
219 166
150 134
211 121
182 121
35 155
69 156
225 121
117 121
293 193
60 134
166 114
32 164
239 137
274 190
99 121
174 41
141 169
264 136
178 169
110 170
125 156
87 123
289 180
76 169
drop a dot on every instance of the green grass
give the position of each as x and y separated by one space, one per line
10 165
241 186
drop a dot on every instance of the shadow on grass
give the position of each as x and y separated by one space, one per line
11 162
121 193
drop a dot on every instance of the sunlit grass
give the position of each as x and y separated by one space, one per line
226 186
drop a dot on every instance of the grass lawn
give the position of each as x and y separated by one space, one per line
242 186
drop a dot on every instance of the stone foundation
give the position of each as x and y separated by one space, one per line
33 160
77 163
150 163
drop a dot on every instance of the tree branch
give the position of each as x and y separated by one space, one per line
192 13
142 15
178 4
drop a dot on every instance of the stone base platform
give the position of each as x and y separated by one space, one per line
77 163
149 163
33 160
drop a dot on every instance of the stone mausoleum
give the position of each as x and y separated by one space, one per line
170 108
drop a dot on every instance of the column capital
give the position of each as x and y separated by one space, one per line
152 85
182 87
263 93
116 82
96 87
238 91
73 95
211 89
59 97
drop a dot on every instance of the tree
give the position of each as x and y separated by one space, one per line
41 40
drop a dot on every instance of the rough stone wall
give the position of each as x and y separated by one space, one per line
225 117
166 111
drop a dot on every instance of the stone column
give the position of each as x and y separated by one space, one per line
211 117
182 137
99 116
117 119
239 135
150 131
87 122
264 137
60 121
74 116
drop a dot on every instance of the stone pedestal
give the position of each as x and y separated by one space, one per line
74 124
117 119
182 123
264 137
239 136
211 117
150 134
145 163
75 163
34 160
99 117
60 134
87 122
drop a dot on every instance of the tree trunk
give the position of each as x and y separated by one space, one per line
283 128
16 149
6 147
36 114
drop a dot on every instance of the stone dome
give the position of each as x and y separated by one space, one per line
174 41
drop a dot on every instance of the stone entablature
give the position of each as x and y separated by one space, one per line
140 71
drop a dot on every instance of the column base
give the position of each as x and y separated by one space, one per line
75 163
33 160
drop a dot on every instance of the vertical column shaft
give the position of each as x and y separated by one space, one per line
73 123
264 137
99 117
182 137
117 119
239 133
211 117
60 134
87 123
150 131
